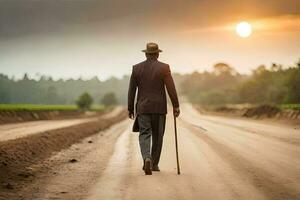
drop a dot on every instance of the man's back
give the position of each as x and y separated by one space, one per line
150 77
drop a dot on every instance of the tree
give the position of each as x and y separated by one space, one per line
84 101
4 96
109 99
223 68
275 67
51 95
25 77
260 70
293 86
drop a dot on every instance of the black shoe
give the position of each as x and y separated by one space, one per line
147 166
155 168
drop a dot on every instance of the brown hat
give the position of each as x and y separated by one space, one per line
152 48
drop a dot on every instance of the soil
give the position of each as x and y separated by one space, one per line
261 111
25 115
17 156
258 112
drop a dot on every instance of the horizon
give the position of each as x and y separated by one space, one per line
37 76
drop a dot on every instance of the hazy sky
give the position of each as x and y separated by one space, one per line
72 38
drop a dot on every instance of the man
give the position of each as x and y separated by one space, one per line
150 78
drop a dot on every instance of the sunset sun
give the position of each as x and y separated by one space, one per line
243 29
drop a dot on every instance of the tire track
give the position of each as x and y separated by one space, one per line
294 141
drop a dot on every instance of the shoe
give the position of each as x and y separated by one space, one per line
147 166
155 168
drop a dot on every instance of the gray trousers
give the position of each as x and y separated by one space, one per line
151 126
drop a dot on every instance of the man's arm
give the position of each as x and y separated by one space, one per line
171 90
131 95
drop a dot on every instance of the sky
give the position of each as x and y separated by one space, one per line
104 38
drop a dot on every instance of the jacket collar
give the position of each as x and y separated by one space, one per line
151 59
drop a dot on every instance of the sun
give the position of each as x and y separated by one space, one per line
243 29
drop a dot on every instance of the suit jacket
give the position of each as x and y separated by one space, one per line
151 77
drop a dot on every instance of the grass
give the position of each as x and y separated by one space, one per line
240 106
41 107
290 106
98 108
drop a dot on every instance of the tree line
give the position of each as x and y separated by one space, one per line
275 84
48 91
224 85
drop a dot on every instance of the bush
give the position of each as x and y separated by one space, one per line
84 101
109 99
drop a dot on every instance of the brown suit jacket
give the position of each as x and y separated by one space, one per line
150 78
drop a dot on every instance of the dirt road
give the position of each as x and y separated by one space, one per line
221 159
18 130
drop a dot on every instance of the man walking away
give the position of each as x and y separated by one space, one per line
150 78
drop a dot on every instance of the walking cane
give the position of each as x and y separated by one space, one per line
176 145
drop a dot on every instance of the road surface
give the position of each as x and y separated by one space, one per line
221 159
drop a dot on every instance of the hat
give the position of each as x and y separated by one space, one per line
152 48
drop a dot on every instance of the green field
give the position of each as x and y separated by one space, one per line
40 107
290 106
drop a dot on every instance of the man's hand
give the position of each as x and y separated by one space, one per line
176 112
130 115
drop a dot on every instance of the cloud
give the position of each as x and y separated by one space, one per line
20 18
269 25
285 23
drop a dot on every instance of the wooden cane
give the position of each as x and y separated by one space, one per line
176 145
